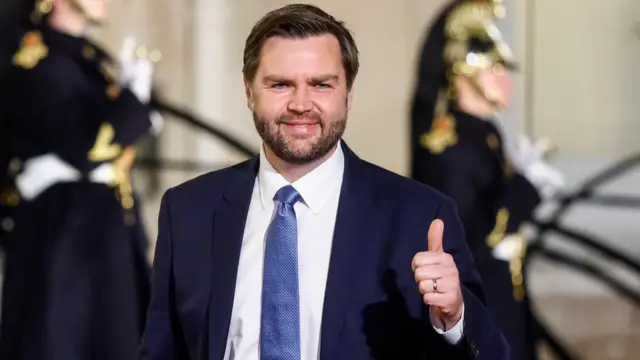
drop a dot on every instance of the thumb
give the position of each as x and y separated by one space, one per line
434 237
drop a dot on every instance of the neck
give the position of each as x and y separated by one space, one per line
72 25
293 172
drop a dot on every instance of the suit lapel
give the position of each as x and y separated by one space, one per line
351 247
228 229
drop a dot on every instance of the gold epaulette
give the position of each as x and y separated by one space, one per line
31 51
441 135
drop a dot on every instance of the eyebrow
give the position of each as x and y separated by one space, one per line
315 79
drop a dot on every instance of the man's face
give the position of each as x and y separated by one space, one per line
299 97
497 85
97 11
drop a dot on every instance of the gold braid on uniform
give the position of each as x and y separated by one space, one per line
517 240
122 181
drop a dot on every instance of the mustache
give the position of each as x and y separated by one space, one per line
286 118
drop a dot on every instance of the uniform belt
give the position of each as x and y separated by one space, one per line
41 172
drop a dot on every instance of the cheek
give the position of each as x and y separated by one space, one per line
498 85
504 85
268 106
503 82
331 106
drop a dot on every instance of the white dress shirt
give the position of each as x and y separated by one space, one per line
316 216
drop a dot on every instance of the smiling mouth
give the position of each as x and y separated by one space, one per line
301 128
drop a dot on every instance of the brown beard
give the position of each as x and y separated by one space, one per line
329 137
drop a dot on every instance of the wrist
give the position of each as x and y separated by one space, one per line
445 322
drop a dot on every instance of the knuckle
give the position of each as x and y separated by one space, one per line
418 276
426 298
423 286
416 260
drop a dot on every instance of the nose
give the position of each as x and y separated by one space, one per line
301 100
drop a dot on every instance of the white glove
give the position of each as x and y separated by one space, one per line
142 81
157 122
127 60
529 161
136 74
510 247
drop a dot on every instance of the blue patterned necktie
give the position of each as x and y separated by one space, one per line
280 323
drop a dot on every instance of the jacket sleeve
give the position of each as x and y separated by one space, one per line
56 105
162 338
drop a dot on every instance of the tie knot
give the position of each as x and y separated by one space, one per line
287 195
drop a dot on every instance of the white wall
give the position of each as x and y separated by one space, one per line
578 83
586 77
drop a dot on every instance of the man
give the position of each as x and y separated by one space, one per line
307 251
76 279
458 149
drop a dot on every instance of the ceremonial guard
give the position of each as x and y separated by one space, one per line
458 148
76 277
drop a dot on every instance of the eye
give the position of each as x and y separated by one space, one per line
278 86
323 86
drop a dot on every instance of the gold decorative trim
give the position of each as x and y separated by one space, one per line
441 135
493 142
500 228
516 265
89 52
31 51
113 91
104 149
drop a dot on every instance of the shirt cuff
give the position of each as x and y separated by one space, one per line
453 335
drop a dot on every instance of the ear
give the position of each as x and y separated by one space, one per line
248 92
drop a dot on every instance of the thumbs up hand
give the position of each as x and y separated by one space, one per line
438 281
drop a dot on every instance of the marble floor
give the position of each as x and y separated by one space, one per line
593 328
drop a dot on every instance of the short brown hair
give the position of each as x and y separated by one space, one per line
299 21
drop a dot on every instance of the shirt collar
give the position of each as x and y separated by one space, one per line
314 188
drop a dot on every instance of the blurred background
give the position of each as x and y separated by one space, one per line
578 85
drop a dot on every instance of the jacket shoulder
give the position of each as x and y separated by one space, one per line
210 185
54 75
406 190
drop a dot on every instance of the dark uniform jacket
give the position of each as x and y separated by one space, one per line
76 279
462 156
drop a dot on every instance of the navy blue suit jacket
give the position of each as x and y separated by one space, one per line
372 309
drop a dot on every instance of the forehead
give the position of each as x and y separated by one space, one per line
317 54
